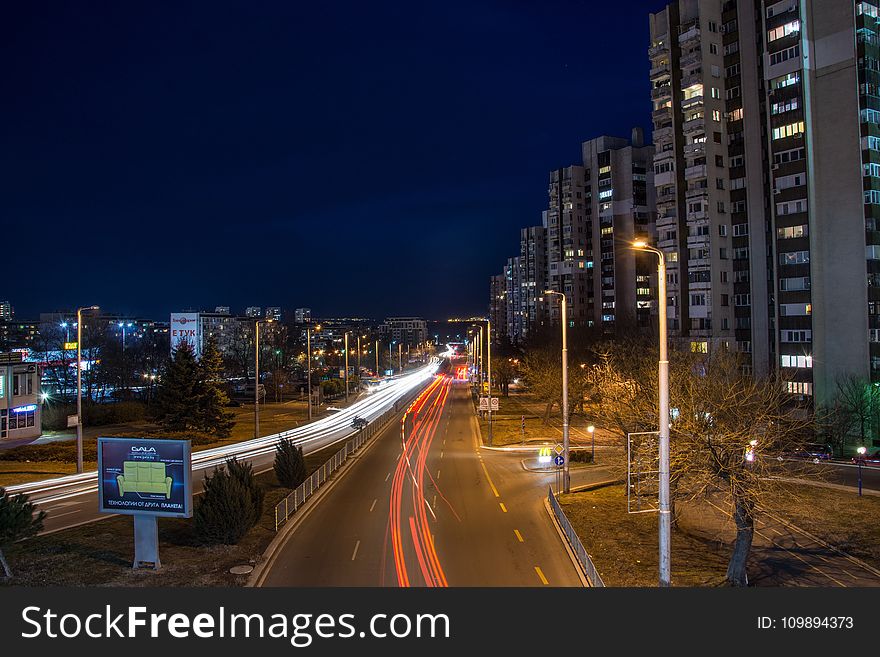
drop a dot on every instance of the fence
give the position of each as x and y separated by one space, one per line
288 506
574 541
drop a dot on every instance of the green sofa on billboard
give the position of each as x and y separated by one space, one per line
144 477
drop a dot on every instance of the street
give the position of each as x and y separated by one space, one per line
438 512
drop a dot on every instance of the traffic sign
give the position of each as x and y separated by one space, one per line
484 403
494 403
559 460
558 449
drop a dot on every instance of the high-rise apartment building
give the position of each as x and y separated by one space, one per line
498 306
253 311
767 172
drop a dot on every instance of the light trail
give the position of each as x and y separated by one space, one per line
326 431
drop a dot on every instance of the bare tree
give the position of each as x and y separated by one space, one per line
727 431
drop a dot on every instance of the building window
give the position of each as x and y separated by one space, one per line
699 347
784 30
789 130
794 258
794 284
795 309
799 387
803 362
784 55
792 232
805 335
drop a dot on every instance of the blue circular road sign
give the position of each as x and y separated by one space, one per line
559 460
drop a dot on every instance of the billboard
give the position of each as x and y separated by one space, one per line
185 327
145 476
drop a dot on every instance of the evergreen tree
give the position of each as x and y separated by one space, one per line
177 406
212 398
17 521
243 472
290 465
225 512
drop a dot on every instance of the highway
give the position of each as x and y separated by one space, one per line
428 507
73 500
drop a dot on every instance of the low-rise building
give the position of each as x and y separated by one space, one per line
19 397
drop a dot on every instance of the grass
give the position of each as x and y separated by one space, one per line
624 546
100 553
840 518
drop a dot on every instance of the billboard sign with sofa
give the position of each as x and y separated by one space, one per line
145 476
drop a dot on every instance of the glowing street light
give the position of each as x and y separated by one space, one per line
566 475
592 431
862 451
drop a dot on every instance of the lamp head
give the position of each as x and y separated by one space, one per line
640 244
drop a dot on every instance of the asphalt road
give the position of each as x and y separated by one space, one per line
440 512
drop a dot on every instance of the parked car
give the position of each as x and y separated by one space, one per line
870 458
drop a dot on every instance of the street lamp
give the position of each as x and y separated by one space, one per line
309 360
861 459
79 421
566 476
346 365
257 375
665 530
592 430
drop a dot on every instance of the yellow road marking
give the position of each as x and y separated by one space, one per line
541 575
503 508
494 490
518 536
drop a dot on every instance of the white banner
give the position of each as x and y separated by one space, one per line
185 327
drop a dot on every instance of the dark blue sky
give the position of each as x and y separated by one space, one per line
359 158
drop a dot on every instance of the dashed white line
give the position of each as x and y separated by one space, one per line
356 546
373 505
387 476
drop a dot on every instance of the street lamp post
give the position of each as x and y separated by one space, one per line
79 420
566 475
400 357
592 430
257 378
346 365
861 459
377 359
665 531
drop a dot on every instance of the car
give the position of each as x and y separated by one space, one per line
814 451
359 423
870 458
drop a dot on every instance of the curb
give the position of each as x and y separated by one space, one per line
269 555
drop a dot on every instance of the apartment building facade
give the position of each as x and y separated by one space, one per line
764 122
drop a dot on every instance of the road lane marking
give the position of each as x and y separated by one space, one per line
373 505
386 476
519 536
541 575
438 474
494 490
355 553
61 515
435 501
503 508
441 453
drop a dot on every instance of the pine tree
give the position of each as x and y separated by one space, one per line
290 465
243 472
212 398
225 512
17 521
177 406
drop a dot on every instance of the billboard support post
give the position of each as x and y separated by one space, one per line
146 541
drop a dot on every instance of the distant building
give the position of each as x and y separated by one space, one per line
273 313
19 398
302 315
222 310
253 311
6 311
406 330
498 306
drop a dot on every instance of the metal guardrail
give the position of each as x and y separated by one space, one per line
574 541
289 505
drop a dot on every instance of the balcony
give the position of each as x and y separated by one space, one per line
662 134
663 91
659 49
692 102
690 59
661 115
698 171
695 149
696 192
691 34
660 69
694 125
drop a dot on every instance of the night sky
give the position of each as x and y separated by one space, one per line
359 158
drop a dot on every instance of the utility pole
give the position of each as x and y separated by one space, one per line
489 358
309 359
566 475
79 418
377 359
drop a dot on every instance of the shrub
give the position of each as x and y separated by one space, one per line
290 465
17 521
244 473
580 456
225 512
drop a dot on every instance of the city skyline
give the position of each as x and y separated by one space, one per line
206 138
